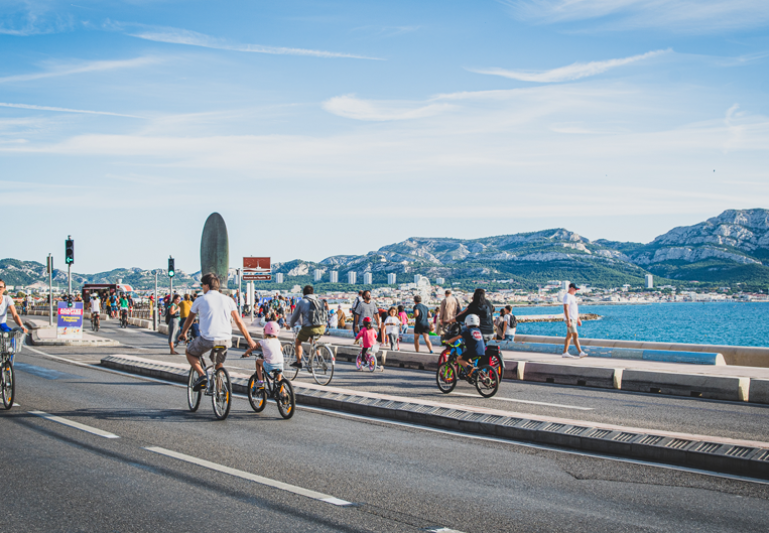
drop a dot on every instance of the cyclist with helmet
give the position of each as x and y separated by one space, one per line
472 338
272 353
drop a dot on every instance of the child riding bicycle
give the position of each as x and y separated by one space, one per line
272 353
472 338
369 336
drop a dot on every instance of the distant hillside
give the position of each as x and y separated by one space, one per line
725 250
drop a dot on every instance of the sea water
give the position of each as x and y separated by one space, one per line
730 323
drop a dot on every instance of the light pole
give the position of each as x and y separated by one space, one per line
156 306
49 263
240 291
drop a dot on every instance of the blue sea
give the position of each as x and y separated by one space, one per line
730 323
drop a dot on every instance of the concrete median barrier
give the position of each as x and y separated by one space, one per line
583 376
759 391
691 385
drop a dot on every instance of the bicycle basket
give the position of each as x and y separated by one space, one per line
12 341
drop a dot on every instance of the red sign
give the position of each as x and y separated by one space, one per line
257 269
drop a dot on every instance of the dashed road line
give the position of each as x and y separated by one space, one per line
529 402
249 476
76 425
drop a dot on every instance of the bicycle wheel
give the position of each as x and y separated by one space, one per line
371 362
8 384
322 365
193 397
487 381
98 323
284 397
446 377
222 397
444 356
359 361
256 397
496 363
289 357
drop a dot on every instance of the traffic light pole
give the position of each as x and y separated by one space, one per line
69 280
155 307
50 290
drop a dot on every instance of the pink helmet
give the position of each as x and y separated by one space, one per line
271 328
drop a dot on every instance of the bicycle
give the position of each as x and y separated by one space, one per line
280 390
495 358
11 343
370 361
219 386
485 378
124 318
320 359
95 321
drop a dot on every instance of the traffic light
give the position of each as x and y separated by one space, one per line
69 251
171 270
69 301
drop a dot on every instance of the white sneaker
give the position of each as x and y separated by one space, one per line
567 355
582 354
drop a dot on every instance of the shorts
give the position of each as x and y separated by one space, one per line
571 326
419 329
200 346
269 367
310 331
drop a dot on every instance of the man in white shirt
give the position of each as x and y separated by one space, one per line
7 306
215 310
571 317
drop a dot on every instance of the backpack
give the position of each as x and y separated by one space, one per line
513 321
168 314
318 313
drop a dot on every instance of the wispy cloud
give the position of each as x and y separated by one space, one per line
193 38
22 18
91 66
571 72
349 106
64 110
696 16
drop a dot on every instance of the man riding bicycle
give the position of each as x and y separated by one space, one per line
95 308
6 305
215 310
312 314
123 307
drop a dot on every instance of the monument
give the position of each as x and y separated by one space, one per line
215 248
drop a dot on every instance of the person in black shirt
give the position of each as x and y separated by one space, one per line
473 340
483 309
421 324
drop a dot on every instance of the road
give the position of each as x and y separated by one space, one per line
397 477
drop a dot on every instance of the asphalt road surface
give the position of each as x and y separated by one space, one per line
95 450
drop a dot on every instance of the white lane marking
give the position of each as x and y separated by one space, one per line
249 476
528 401
76 425
452 433
444 530
16 405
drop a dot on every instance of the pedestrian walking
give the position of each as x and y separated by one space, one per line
184 311
366 308
421 324
481 307
392 328
341 318
512 323
571 317
448 310
172 319
404 319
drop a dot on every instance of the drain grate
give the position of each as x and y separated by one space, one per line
763 456
424 408
739 451
367 401
707 447
600 433
396 405
473 417
383 403
531 424
678 444
493 419
442 411
651 440
511 421
575 430
625 437
410 407
554 427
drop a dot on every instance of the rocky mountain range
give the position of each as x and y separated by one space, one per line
724 250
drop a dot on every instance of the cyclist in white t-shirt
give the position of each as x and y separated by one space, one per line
6 306
571 317
215 310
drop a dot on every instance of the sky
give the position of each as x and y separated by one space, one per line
319 128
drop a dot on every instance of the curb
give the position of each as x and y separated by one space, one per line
748 458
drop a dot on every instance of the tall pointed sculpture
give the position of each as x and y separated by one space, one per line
215 248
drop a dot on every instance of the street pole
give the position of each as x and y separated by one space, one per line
69 275
155 307
251 297
50 290
240 291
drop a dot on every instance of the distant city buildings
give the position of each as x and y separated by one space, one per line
279 278
440 281
334 275
649 281
391 279
565 285
351 278
368 279
318 275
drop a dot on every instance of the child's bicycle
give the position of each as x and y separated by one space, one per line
319 360
95 321
485 377
219 386
280 390
492 351
368 361
10 344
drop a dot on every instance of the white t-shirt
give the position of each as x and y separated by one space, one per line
272 351
4 303
95 305
392 325
571 301
333 320
215 311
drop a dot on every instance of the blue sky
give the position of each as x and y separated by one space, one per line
325 128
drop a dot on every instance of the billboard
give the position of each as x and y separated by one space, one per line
69 324
257 269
